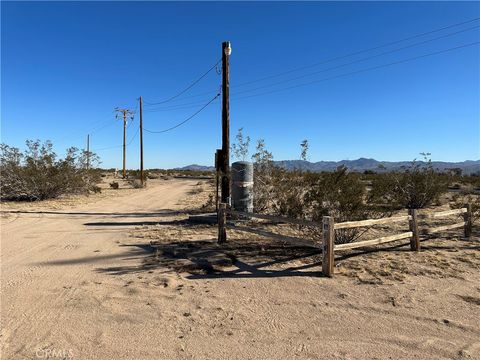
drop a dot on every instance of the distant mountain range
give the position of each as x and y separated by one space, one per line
468 167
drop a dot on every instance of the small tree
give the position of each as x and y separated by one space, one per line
263 168
304 150
240 149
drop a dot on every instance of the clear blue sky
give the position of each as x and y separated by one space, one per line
67 65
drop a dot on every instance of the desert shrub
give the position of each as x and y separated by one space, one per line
471 180
135 174
153 176
134 179
418 186
340 194
38 174
263 174
305 195
114 185
288 191
136 183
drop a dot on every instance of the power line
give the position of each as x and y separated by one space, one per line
133 137
184 121
331 59
355 61
186 89
362 70
188 105
108 124
118 146
356 53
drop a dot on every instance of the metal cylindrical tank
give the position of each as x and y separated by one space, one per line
242 186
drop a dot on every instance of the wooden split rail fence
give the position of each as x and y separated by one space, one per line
329 226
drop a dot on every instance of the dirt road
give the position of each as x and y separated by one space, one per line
74 285
54 293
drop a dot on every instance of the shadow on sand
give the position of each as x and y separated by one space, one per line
106 214
241 258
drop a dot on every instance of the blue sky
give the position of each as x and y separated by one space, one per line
67 65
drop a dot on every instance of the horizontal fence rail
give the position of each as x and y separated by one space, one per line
377 241
443 213
275 218
443 228
371 222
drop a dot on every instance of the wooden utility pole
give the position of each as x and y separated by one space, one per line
141 141
125 113
88 151
225 161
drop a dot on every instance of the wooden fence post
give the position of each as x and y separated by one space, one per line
413 224
468 220
222 220
328 233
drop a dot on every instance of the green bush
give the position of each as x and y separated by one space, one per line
288 193
38 174
417 187
340 194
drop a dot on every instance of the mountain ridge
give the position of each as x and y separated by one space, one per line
360 165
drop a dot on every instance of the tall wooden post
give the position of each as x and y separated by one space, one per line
328 234
413 225
222 220
88 151
141 142
225 163
468 221
124 173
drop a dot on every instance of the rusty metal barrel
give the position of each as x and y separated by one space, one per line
242 186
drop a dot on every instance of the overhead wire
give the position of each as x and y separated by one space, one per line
176 98
188 105
184 121
361 70
355 53
186 89
355 61
118 146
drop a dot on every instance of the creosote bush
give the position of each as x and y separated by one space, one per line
417 187
38 174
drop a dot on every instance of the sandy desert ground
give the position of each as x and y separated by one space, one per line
81 279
